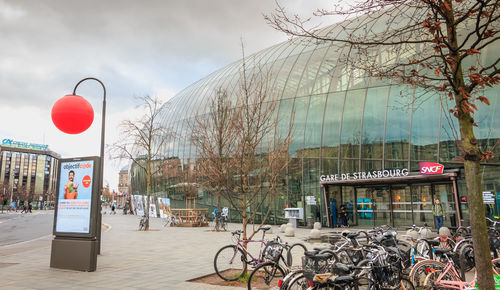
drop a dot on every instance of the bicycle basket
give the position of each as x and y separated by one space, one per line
318 266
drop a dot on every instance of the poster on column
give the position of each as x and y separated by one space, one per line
75 197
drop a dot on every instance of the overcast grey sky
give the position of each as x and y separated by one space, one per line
135 47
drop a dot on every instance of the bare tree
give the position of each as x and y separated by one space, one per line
438 44
142 140
241 151
213 134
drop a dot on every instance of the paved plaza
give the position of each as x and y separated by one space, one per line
162 258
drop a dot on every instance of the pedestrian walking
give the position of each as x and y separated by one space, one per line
25 208
439 214
113 208
30 207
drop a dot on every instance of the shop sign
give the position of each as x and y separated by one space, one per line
427 168
25 145
365 175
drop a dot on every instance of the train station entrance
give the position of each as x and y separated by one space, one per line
398 201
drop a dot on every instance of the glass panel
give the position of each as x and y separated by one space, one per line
295 75
422 205
332 124
314 125
398 127
488 130
329 165
425 128
370 165
311 174
401 206
351 126
373 123
448 149
300 107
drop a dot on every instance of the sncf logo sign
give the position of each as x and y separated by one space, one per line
431 168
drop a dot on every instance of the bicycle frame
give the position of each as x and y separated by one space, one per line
461 285
239 245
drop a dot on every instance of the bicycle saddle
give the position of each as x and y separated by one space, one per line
265 229
344 279
342 267
352 235
317 257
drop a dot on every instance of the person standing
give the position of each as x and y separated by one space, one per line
333 210
343 215
439 214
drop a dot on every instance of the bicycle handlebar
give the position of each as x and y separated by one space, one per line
237 232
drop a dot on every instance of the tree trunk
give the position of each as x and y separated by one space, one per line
148 193
472 157
480 239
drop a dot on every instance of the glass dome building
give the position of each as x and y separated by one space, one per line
345 125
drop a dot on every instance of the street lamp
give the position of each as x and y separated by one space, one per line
72 114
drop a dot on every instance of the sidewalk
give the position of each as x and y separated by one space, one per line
163 258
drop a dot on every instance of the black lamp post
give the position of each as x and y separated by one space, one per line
101 165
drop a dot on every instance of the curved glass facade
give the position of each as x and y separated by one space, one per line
343 122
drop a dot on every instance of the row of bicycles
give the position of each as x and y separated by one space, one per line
371 259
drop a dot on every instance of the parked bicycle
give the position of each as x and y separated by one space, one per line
268 274
220 219
171 220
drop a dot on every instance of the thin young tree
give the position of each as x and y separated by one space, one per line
241 150
436 45
213 135
141 141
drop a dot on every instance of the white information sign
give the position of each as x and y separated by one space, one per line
311 200
488 197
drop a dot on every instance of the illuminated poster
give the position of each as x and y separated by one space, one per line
75 196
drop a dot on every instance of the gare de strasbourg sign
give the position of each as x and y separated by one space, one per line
426 168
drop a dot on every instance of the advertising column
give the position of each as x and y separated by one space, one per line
75 218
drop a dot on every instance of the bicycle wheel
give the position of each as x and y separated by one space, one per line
424 273
230 263
299 282
406 284
466 257
295 254
289 278
265 276
462 232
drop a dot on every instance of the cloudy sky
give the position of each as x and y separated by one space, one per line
135 48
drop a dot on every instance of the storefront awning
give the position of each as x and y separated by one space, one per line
412 177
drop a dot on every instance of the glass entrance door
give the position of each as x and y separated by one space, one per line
401 206
445 194
422 205
365 205
373 206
